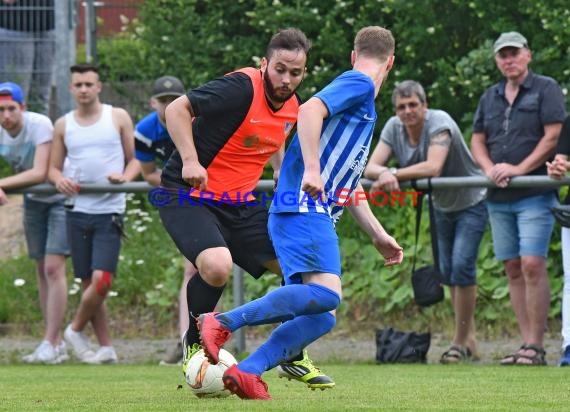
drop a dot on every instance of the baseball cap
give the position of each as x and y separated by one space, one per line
510 39
12 90
168 86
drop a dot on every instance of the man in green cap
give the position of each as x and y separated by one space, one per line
515 131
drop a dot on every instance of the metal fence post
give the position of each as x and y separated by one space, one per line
90 31
238 294
65 23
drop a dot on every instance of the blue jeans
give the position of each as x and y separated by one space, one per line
522 227
44 227
95 242
458 237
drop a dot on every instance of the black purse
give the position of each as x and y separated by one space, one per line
393 346
426 281
562 215
427 286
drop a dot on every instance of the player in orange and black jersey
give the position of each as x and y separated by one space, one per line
225 132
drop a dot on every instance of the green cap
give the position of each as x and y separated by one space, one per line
510 39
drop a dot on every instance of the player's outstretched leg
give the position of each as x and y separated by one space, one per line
303 370
212 335
245 385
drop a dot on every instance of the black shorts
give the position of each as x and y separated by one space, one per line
240 228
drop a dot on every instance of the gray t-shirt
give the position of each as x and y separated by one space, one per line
459 161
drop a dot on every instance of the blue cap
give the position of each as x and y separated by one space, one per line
12 90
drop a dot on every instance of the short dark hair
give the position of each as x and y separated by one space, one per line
84 68
408 88
288 39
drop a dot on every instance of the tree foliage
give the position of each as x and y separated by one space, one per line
444 44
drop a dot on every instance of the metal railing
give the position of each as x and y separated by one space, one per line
267 185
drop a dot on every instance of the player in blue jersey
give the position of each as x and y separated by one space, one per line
153 147
327 155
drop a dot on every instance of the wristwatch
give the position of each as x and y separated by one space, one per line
393 171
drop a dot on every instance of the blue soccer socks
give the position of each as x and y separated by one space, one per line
287 340
280 305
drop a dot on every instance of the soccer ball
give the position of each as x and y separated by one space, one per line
204 379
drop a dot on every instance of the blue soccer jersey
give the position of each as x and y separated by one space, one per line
344 147
152 140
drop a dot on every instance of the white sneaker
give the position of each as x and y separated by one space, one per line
44 353
62 354
79 342
105 354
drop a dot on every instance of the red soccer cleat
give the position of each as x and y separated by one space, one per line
245 385
213 336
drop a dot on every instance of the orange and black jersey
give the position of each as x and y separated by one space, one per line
235 133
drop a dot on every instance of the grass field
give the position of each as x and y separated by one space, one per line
359 387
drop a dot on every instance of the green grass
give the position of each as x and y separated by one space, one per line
359 387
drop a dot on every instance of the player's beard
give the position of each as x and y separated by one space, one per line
271 91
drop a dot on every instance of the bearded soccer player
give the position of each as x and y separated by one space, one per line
241 121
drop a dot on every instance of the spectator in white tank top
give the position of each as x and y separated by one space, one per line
98 141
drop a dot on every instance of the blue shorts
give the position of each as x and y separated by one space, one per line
304 243
44 227
458 237
95 242
522 227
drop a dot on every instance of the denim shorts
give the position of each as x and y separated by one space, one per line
95 242
459 235
522 227
44 227
304 243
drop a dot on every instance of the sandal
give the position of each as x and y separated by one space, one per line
511 358
538 359
455 354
